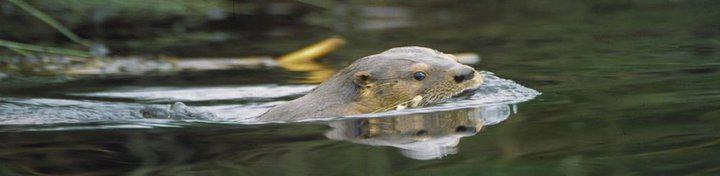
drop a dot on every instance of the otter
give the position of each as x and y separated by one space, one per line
394 79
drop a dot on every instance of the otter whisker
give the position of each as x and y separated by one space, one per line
434 99
386 108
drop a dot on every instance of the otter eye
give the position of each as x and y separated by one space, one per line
419 75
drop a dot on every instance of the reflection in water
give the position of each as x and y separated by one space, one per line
419 136
169 147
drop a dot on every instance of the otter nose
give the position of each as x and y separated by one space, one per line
464 74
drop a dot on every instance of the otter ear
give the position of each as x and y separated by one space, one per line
362 78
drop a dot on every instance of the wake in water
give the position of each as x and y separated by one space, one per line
238 104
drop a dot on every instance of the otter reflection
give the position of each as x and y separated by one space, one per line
419 136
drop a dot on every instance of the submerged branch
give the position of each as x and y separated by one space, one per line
312 52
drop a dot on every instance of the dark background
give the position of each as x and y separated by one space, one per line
629 87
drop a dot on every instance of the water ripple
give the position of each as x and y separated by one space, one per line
494 91
189 94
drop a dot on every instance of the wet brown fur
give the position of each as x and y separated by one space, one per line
377 83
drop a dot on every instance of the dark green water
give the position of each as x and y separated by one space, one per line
629 88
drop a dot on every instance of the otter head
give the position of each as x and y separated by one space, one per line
395 79
410 77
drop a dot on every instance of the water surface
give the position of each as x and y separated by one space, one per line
628 88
